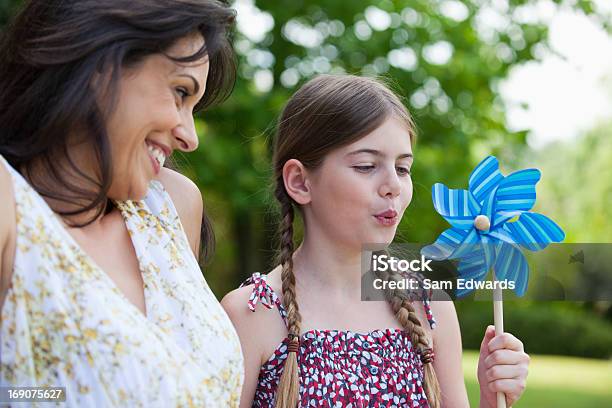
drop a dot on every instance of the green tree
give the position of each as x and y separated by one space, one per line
444 57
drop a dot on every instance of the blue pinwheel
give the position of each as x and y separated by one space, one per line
489 223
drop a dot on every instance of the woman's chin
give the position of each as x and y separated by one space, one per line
136 192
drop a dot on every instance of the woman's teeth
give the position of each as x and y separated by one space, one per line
157 154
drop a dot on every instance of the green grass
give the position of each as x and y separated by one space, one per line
555 382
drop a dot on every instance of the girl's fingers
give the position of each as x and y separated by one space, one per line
505 356
512 387
506 372
489 334
505 341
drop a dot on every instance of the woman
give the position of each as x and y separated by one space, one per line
101 289
342 158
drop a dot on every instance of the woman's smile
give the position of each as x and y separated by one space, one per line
157 154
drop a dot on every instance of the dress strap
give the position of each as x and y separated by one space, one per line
430 317
422 295
263 293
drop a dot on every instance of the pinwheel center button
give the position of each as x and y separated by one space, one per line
482 222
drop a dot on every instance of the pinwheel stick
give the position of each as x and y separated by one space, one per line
498 319
492 214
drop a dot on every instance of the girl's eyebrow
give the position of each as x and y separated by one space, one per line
377 153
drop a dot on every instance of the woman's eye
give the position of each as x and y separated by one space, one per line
364 169
182 92
403 171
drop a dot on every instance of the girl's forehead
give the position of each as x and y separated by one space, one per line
391 137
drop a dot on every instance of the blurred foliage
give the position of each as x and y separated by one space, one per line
544 327
577 190
444 58
456 104
553 381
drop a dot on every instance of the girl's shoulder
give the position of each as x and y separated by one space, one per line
257 314
447 322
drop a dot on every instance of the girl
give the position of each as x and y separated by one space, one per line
342 158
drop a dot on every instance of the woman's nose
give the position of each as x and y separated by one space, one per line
185 135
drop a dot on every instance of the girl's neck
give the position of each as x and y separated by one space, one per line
322 266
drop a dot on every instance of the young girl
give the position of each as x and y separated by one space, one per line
342 158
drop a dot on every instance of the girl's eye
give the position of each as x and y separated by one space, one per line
364 169
403 171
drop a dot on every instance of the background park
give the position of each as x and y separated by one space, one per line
529 81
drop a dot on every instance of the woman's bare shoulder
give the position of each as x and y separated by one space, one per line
187 200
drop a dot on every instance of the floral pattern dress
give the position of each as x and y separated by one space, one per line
344 368
65 323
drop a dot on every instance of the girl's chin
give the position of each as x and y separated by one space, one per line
378 239
385 237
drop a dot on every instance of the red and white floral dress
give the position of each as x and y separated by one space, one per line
343 368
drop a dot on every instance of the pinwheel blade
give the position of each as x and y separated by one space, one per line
470 245
445 245
502 235
484 178
534 231
489 249
517 191
471 268
501 217
458 207
514 195
488 206
510 264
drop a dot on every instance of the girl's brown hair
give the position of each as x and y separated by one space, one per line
328 112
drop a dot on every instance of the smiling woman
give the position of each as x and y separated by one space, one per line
154 116
100 286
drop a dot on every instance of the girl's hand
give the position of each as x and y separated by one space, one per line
502 366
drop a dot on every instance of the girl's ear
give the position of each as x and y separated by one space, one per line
296 181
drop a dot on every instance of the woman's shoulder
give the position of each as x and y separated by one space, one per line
185 194
187 200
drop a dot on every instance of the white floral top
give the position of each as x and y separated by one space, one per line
66 324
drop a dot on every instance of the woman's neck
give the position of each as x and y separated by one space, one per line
37 175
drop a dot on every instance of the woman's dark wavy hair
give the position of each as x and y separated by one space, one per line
52 51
